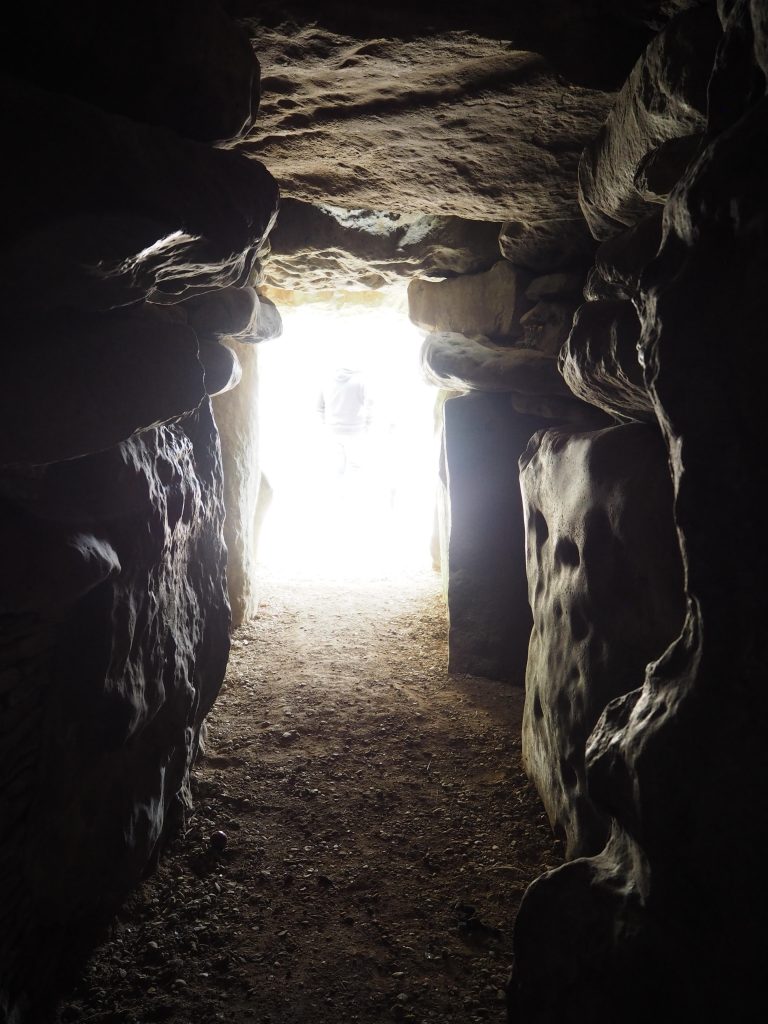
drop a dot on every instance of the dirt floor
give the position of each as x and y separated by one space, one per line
379 831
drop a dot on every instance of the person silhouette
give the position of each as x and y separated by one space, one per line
344 408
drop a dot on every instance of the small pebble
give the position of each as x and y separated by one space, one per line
218 841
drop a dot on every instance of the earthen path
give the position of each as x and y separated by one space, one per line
379 831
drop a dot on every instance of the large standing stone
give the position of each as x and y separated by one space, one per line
668 922
237 417
115 628
488 612
606 589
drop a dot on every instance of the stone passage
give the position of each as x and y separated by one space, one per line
379 831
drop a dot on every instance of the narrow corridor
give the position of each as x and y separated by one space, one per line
379 831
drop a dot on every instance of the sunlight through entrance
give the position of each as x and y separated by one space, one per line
348 444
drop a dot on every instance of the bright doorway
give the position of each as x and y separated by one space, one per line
339 511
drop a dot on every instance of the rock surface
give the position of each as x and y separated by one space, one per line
114 620
620 260
547 325
226 312
123 211
606 589
664 98
125 372
600 364
673 909
488 613
587 44
426 111
661 169
107 673
321 248
457 363
489 304
549 243
397 124
556 286
237 418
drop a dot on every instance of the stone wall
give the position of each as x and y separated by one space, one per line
606 590
128 249
666 921
135 230
503 383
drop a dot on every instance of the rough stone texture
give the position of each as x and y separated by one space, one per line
114 619
547 325
489 304
758 16
738 79
111 218
227 312
664 97
103 214
238 313
588 43
600 364
660 170
457 363
673 911
566 284
606 589
396 124
620 260
488 612
115 639
236 416
319 248
543 245
222 369
119 212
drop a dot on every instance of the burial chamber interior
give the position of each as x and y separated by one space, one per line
574 196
